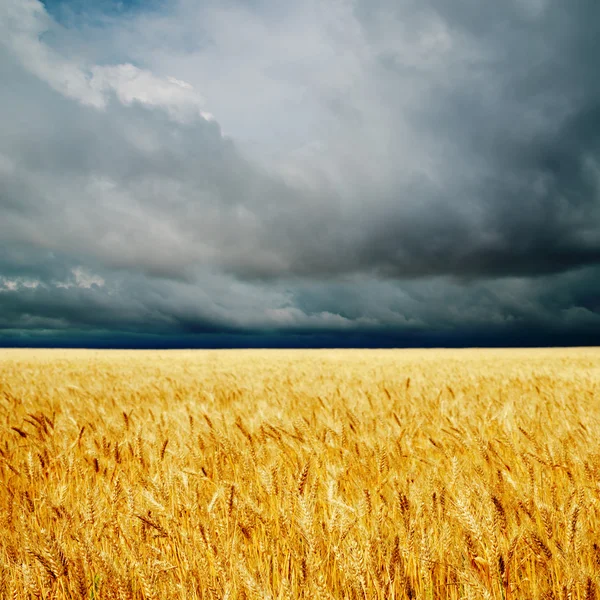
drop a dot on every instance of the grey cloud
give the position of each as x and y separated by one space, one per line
453 182
519 122
508 117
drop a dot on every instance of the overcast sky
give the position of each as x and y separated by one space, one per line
314 173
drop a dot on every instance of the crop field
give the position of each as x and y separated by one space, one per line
425 474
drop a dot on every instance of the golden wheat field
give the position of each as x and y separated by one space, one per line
433 474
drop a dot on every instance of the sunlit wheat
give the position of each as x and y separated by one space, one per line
300 474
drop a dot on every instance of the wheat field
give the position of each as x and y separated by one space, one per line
433 474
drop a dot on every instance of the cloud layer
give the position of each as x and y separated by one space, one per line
350 172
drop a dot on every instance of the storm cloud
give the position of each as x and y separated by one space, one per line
279 173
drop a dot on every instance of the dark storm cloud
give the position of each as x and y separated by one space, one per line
520 124
439 178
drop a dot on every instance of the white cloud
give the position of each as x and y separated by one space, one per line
82 279
23 24
14 283
132 84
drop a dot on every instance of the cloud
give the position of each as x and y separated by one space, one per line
27 22
370 167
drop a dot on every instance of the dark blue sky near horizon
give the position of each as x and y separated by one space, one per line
261 173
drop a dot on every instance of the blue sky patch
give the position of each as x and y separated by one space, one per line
72 13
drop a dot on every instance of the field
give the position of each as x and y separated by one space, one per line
300 474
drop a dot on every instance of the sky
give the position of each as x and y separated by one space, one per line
253 173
